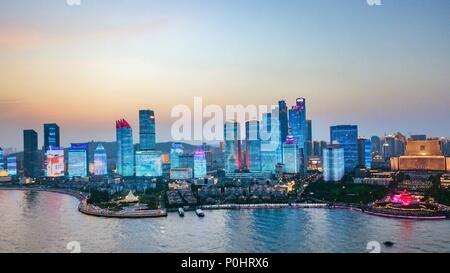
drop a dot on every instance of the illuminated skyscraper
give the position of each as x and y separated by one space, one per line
147 136
233 152
292 156
12 165
347 137
100 161
309 142
283 119
375 145
333 163
149 164
54 162
1 160
125 148
51 136
30 153
271 146
199 163
297 124
176 152
252 146
78 164
364 153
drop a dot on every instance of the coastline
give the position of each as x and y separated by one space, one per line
91 210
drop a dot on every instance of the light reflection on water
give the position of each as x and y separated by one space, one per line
46 222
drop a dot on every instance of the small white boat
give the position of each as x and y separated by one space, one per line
181 212
199 213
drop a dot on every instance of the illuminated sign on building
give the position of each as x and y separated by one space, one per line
55 162
78 166
149 163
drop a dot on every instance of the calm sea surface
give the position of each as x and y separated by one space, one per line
46 222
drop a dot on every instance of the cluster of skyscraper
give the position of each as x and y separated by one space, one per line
281 137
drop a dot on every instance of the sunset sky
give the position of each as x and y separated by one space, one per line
385 68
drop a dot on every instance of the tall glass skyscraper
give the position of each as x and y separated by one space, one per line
292 157
297 124
149 164
147 135
30 153
271 147
199 163
1 160
283 119
100 161
252 146
12 165
333 163
364 153
347 137
309 142
376 145
176 151
51 136
233 152
125 148
78 164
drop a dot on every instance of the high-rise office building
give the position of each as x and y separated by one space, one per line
271 146
376 145
347 137
1 160
333 163
51 136
316 149
12 165
100 161
199 163
176 151
54 158
364 153
292 157
233 152
297 124
78 163
309 141
125 148
147 135
30 153
283 120
149 163
252 146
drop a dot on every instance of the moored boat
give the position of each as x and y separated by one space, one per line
199 213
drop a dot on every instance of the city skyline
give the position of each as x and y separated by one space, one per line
59 62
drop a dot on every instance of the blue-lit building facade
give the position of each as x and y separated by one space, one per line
271 146
12 165
292 157
347 137
30 153
252 146
233 152
365 153
1 160
77 162
333 163
51 140
147 130
149 164
283 119
298 127
200 170
176 151
100 161
125 148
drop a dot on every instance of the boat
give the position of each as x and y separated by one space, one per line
199 213
181 212
388 243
